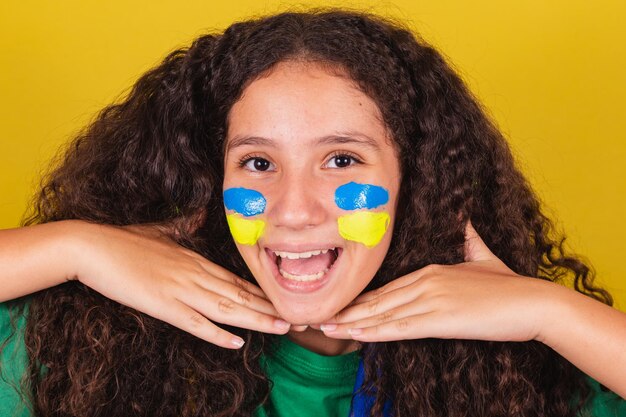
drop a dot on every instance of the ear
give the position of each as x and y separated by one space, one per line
475 248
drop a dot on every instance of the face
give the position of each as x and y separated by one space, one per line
311 184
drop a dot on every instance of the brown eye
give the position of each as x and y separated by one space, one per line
258 164
342 161
261 164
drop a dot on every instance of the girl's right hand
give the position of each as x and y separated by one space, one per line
140 267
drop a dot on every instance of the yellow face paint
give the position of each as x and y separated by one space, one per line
365 227
245 232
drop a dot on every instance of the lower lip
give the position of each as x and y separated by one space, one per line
303 287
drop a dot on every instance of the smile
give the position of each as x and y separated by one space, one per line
303 271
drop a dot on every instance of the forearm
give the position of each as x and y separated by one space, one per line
590 335
34 258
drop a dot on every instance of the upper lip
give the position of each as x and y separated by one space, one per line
299 248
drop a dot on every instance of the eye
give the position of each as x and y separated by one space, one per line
342 160
256 164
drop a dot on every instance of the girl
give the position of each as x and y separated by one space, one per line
341 165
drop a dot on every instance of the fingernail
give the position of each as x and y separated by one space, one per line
281 324
328 327
355 332
237 341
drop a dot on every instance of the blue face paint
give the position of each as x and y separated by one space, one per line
244 201
353 196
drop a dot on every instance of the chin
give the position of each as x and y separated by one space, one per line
307 313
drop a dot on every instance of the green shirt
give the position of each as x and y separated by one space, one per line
13 362
305 384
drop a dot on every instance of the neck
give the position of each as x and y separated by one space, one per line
316 341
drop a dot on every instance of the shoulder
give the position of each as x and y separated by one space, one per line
603 403
13 360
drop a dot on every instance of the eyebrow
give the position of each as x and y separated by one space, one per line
349 137
339 139
238 141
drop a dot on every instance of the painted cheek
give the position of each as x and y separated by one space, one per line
354 196
245 202
364 227
245 232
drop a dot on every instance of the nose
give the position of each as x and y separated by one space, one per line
299 203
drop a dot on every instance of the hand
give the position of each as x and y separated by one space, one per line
140 267
480 299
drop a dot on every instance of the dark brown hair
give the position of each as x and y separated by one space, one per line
156 157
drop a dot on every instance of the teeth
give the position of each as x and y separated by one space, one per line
301 255
311 277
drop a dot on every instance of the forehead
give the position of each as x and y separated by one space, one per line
304 101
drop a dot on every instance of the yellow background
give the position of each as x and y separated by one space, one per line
550 72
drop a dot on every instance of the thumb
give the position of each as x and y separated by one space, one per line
475 248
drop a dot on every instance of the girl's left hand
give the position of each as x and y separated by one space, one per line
480 299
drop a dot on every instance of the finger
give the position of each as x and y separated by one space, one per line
241 292
475 248
401 282
248 286
191 321
247 299
299 328
412 327
378 305
223 310
393 285
384 316
225 275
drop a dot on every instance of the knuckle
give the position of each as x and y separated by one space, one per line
197 320
224 305
433 270
372 305
432 276
384 317
188 273
197 271
378 291
245 297
427 284
402 325
241 283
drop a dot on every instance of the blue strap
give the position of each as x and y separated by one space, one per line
362 403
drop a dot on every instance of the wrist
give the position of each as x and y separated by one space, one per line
37 257
72 243
556 310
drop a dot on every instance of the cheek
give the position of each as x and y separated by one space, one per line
245 202
354 196
245 232
366 227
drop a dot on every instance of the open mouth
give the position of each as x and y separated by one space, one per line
304 267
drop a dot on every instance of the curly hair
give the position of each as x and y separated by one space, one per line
157 157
